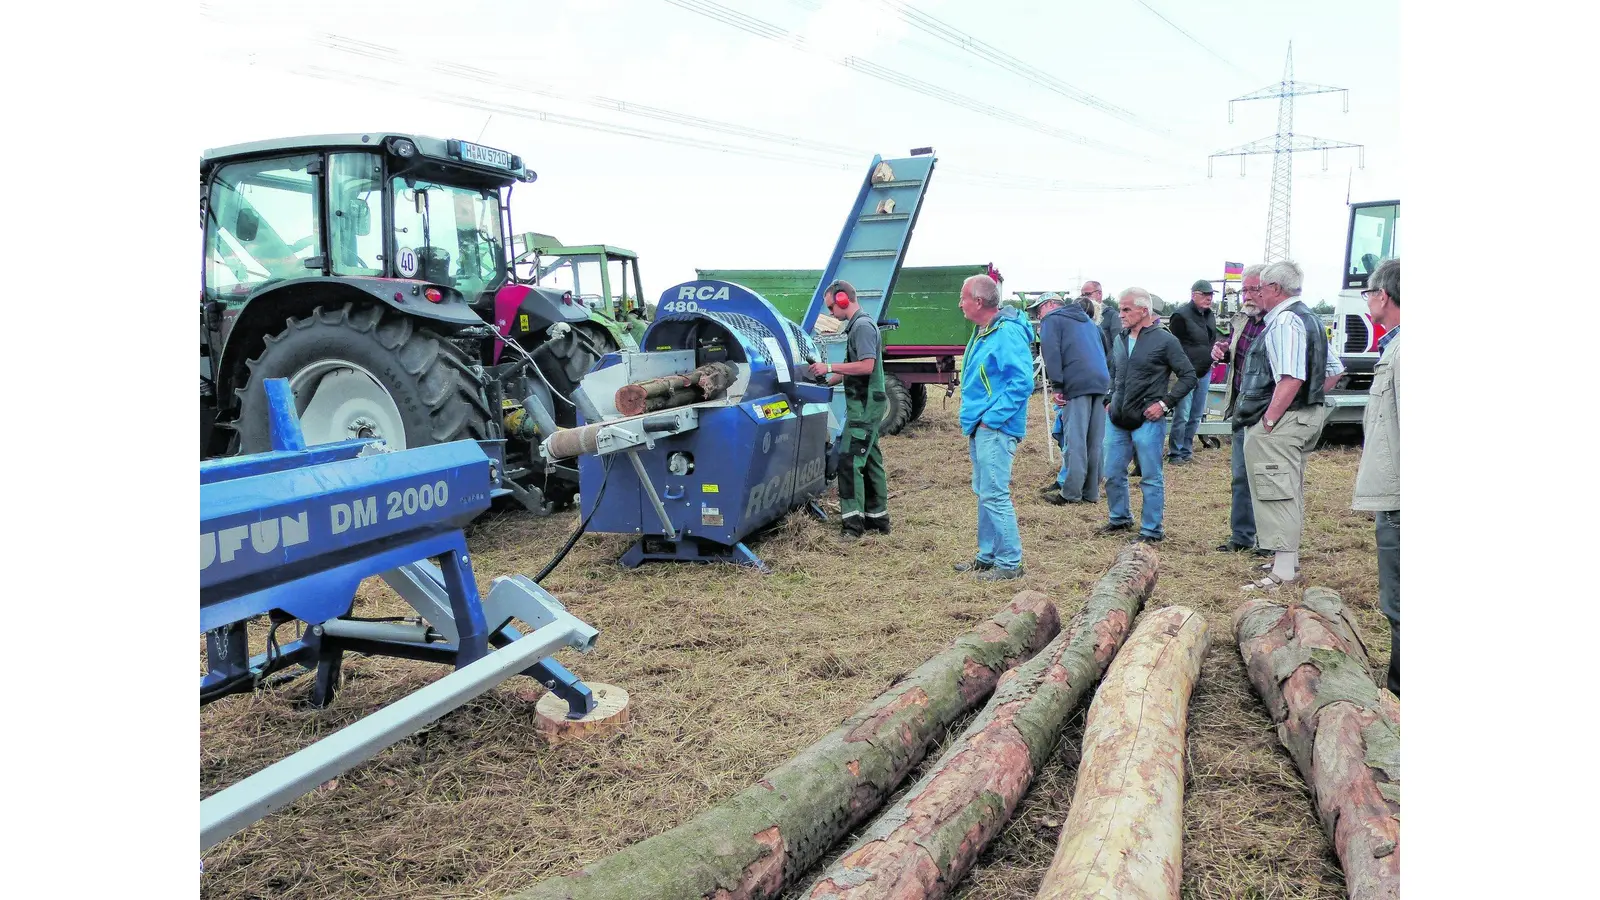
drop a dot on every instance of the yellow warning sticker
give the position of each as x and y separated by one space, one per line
708 489
775 410
522 322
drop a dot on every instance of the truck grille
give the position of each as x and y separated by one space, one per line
1355 335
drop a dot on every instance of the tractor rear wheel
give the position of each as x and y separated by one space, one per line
897 412
919 401
360 371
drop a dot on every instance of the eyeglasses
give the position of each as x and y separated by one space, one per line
1371 294
1254 290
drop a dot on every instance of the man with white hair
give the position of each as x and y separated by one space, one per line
1144 359
1281 408
1378 479
1244 331
996 382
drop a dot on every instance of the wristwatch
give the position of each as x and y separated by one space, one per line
1269 424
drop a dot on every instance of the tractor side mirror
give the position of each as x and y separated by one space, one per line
246 224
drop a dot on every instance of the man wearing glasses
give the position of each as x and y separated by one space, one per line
1378 479
1282 409
863 482
1110 320
1245 329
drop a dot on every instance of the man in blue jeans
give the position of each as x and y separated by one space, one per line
996 382
1075 368
1144 358
1194 324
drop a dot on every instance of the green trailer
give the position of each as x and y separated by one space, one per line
923 341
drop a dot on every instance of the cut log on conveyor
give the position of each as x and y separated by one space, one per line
753 845
1309 664
1123 837
708 382
923 845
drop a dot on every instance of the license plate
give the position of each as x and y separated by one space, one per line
485 156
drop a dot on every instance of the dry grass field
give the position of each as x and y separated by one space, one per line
732 672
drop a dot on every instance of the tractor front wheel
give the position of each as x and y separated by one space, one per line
361 371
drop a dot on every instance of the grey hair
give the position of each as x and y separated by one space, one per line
1386 278
984 290
1140 296
1255 270
1286 274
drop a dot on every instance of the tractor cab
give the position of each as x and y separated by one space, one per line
603 278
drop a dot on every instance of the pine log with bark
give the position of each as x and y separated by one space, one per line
923 845
1123 836
1308 663
755 844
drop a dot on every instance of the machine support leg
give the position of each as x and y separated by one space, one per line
472 632
655 499
330 656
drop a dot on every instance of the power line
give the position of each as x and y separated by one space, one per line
769 31
1225 61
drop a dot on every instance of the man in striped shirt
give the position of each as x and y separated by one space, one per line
1282 408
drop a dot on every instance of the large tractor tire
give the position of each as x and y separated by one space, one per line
897 412
366 371
919 401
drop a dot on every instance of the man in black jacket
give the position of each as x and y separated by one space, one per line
1195 326
1144 358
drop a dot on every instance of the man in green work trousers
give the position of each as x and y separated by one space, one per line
863 483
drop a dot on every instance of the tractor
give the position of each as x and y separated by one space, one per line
372 272
602 277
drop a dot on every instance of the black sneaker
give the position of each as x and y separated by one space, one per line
1113 528
879 523
1148 539
1055 499
972 565
1230 547
1051 488
998 573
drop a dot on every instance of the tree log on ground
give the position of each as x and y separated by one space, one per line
1309 664
923 845
753 845
1123 836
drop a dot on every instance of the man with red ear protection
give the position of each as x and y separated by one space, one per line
863 481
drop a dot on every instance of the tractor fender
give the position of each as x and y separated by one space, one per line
521 310
268 311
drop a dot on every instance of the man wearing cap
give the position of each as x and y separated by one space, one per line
863 482
1194 324
1075 370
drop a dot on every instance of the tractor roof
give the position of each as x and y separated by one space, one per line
453 153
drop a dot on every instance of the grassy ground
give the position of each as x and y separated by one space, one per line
732 672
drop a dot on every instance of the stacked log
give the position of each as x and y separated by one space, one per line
755 844
708 382
1124 834
1308 663
923 845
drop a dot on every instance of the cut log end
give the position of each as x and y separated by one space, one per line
611 711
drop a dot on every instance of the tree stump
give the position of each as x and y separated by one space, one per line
1308 663
923 845
611 711
1124 834
753 845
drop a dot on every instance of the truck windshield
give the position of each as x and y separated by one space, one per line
1374 237
448 235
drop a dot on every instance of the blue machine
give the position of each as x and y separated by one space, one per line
290 534
699 479
872 247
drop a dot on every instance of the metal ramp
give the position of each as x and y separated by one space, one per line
872 247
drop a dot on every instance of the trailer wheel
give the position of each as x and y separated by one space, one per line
919 401
897 412
363 371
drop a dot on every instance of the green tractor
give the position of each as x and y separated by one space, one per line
583 268
371 271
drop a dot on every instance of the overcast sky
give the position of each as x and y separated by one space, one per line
1104 176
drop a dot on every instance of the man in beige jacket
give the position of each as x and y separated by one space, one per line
1378 479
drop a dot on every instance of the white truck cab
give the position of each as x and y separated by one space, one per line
1373 237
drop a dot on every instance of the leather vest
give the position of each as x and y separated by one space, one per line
1257 383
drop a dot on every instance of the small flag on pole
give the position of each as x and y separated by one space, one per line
1233 268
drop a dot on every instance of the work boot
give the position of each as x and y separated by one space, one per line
998 573
878 523
975 565
1114 527
850 532
1051 488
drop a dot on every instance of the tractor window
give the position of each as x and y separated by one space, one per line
262 225
355 194
448 235
1374 237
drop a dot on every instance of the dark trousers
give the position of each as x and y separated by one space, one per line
1388 537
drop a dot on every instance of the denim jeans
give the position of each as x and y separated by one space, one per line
1083 425
1186 417
998 541
1388 539
1121 445
1242 516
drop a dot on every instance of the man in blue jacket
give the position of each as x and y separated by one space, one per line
996 382
1075 367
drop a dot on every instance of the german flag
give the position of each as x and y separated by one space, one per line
1233 268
